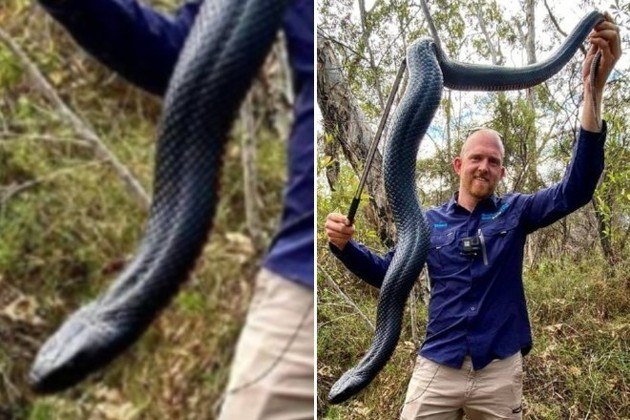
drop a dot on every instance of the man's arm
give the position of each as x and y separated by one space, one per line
576 188
135 41
364 263
587 163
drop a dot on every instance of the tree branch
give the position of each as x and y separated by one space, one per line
8 192
81 127
365 34
430 24
497 60
557 25
248 158
345 297
9 137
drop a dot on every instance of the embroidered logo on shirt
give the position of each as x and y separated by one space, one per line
492 216
440 225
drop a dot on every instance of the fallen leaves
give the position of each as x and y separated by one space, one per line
239 246
112 406
23 309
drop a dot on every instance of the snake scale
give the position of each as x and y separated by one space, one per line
429 71
226 46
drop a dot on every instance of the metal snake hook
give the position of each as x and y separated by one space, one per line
377 138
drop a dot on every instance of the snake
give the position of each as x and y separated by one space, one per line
430 70
221 56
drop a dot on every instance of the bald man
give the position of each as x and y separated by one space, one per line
478 329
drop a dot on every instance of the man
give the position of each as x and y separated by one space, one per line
272 371
478 328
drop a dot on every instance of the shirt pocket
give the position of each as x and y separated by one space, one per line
499 228
444 257
499 237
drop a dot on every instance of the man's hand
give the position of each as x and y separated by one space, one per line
604 37
338 229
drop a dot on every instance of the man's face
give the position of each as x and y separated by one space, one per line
480 164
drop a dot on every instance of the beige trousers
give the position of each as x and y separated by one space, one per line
442 393
272 375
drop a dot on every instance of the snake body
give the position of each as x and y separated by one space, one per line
429 71
222 54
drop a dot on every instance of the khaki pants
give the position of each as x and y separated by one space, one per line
440 392
272 375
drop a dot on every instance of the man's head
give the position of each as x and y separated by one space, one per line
480 165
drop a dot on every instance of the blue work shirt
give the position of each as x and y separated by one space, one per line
477 304
143 45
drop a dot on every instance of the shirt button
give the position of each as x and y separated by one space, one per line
472 308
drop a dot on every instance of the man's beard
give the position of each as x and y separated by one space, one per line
481 188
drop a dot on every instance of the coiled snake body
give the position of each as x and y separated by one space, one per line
429 71
225 48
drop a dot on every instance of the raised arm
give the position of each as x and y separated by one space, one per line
587 163
605 38
576 188
134 40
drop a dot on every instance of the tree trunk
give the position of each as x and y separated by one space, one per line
603 230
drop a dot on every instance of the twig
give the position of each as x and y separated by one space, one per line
430 24
81 127
335 286
11 390
248 158
13 190
557 25
497 57
283 58
5 137
412 310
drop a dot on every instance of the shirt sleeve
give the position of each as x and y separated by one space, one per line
137 42
365 264
576 188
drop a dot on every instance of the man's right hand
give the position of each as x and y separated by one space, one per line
338 229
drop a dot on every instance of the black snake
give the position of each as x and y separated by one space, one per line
226 46
429 71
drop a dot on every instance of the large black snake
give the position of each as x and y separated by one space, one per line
225 48
429 71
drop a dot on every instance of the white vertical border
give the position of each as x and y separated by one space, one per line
315 21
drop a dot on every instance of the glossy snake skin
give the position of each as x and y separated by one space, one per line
429 71
225 49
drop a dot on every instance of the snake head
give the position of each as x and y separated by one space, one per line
82 344
347 386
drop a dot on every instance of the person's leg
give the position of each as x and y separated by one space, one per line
272 371
497 391
435 392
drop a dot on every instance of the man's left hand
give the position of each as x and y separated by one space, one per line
604 37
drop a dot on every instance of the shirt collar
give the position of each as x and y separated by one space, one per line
490 203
